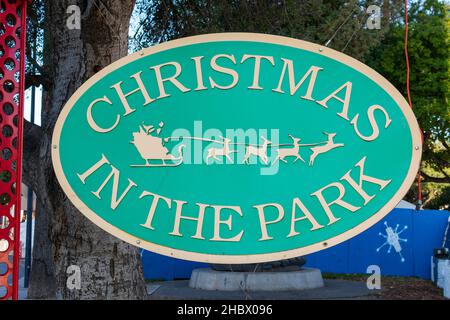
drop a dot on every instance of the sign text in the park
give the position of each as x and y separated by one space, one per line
236 148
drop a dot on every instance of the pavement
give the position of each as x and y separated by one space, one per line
180 290
334 289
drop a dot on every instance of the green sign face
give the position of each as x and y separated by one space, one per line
236 148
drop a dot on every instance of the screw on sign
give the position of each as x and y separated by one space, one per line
12 44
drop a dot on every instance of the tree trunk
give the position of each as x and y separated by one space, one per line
110 268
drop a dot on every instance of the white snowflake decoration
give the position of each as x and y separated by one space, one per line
393 239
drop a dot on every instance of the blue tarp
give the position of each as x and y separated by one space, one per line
419 232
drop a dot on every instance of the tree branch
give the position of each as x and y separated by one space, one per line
445 144
36 80
429 178
35 63
444 173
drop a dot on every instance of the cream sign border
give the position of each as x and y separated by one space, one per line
253 258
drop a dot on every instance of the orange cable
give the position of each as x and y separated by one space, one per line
419 187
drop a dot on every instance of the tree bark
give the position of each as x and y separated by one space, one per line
110 268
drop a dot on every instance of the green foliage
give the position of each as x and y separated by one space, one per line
429 55
428 48
310 20
319 21
344 23
35 36
442 198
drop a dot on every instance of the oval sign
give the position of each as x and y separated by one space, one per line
236 148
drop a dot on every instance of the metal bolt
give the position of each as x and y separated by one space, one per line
141 53
321 49
55 146
417 148
138 241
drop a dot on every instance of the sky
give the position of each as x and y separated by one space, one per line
134 23
27 107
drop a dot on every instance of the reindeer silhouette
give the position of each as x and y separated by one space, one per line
289 152
224 152
325 148
260 152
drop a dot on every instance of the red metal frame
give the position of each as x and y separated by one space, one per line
12 84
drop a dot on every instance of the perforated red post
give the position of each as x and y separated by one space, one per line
12 81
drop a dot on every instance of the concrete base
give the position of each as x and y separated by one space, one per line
208 279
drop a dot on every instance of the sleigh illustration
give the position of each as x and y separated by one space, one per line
152 149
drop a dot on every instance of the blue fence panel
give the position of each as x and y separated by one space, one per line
397 256
183 269
361 251
334 259
406 252
157 267
429 233
375 246
405 240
